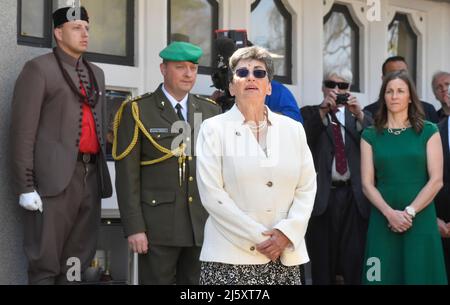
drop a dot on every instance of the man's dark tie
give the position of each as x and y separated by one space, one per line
179 113
339 147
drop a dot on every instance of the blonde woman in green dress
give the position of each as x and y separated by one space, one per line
401 165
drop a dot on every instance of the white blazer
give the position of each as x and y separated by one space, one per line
246 192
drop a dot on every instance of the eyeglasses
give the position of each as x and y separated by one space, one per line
257 73
332 84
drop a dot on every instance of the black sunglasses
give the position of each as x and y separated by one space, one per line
332 84
257 73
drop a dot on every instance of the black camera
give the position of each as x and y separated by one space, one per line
227 42
342 99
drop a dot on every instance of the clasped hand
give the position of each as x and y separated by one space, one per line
400 221
274 246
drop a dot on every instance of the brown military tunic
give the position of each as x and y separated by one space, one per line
45 132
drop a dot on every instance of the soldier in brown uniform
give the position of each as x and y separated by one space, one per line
59 166
159 203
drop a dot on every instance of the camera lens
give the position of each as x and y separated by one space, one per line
342 99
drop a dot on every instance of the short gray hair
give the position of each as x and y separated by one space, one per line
435 77
342 73
256 53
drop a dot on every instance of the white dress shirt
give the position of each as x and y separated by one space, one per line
247 192
174 102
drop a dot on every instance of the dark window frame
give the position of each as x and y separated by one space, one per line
288 39
44 42
121 94
47 41
403 17
128 59
342 8
215 25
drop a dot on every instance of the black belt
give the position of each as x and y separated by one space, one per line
341 183
87 158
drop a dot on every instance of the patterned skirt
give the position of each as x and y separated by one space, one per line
272 273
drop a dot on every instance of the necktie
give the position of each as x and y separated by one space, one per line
339 147
179 113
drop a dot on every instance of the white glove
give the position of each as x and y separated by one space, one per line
31 201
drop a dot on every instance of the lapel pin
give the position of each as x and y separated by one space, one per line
162 103
238 133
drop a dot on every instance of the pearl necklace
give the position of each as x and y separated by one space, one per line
260 126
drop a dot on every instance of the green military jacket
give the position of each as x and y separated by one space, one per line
160 199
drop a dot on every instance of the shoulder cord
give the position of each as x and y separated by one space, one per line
178 152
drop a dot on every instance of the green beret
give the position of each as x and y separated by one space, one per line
181 51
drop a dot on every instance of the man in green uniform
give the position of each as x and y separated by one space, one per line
159 203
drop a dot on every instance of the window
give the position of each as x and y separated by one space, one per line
341 43
402 41
34 24
114 99
111 27
111 31
194 21
271 28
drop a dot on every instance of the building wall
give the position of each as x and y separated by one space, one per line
433 31
150 37
12 59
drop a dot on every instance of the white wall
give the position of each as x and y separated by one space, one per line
433 31
307 18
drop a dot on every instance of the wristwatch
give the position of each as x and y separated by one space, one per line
410 211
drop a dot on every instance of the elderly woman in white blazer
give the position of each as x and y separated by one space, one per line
256 178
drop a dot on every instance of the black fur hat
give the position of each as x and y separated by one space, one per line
66 14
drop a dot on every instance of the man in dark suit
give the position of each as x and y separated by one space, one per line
440 84
397 63
159 203
337 229
442 200
58 131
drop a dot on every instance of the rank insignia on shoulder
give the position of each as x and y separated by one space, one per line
206 99
140 97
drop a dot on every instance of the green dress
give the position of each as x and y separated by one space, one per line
416 256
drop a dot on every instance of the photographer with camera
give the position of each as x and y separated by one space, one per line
337 98
337 228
